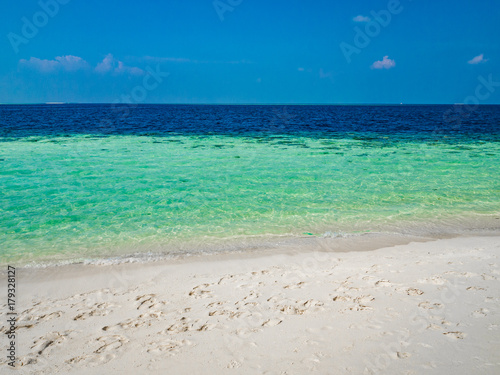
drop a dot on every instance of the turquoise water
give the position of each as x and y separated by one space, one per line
88 196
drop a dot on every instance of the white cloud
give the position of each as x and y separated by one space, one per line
39 64
361 18
71 63
68 63
385 63
106 65
300 69
111 65
124 69
477 60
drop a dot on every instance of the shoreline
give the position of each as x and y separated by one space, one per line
423 306
256 246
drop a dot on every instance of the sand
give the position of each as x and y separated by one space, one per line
420 308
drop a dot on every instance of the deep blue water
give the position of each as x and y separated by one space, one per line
420 121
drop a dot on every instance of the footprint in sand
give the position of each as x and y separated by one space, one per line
245 333
90 360
455 335
360 308
360 303
343 298
253 295
436 280
112 342
91 298
35 319
186 324
146 319
291 310
481 313
218 303
169 347
101 309
488 277
434 327
277 298
299 285
233 364
148 301
20 325
403 355
225 279
200 291
364 299
228 313
107 350
301 307
271 322
429 306
250 286
383 283
414 292
26 361
475 288
48 342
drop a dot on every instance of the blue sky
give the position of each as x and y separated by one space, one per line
250 51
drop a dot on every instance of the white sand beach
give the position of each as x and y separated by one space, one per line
420 308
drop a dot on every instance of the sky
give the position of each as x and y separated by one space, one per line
250 51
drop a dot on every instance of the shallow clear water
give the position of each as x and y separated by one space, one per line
73 195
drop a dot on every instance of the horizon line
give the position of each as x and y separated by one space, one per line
236 104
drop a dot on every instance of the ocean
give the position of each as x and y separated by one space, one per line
99 182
